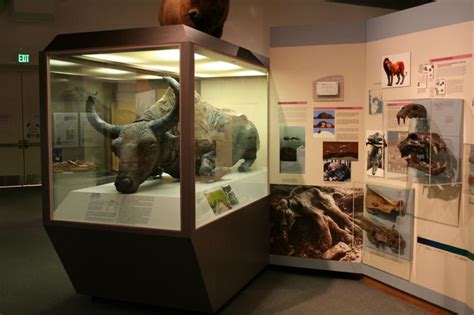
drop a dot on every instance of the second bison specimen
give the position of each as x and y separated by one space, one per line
150 145
205 15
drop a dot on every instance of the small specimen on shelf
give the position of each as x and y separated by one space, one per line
382 236
150 145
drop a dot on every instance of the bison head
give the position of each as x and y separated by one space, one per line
142 146
205 15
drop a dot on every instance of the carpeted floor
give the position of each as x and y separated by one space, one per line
33 281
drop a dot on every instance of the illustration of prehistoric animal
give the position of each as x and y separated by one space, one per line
150 145
427 152
394 69
375 147
383 237
376 202
207 16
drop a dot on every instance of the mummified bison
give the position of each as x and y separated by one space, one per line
150 145
205 15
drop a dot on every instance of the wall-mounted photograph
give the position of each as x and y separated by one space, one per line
292 149
395 70
324 123
316 222
337 160
375 144
375 102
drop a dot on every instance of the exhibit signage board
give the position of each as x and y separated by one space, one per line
381 178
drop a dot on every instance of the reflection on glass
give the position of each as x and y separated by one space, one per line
115 139
231 135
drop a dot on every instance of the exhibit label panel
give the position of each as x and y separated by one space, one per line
398 141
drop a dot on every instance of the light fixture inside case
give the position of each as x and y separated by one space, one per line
142 65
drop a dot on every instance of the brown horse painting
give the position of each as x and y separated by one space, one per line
394 69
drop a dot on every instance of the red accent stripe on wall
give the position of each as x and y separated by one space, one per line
466 56
339 107
293 103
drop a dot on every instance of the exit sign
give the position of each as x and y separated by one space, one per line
23 58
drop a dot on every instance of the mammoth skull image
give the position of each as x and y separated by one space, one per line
426 152
150 145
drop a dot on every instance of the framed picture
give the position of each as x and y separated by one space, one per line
395 70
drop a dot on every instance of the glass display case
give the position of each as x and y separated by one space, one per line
158 132
116 136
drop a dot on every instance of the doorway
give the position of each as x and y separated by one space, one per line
20 158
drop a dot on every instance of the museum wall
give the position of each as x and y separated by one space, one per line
307 146
247 25
431 247
443 220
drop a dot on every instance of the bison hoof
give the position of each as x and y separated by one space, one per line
243 168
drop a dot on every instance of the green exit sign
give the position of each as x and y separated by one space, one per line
23 58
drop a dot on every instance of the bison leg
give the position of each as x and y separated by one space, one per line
403 79
249 158
398 79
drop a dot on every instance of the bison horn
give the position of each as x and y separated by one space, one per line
159 126
109 130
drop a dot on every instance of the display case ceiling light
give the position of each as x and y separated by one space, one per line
140 63
220 66
61 63
113 58
110 71
77 69
168 60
